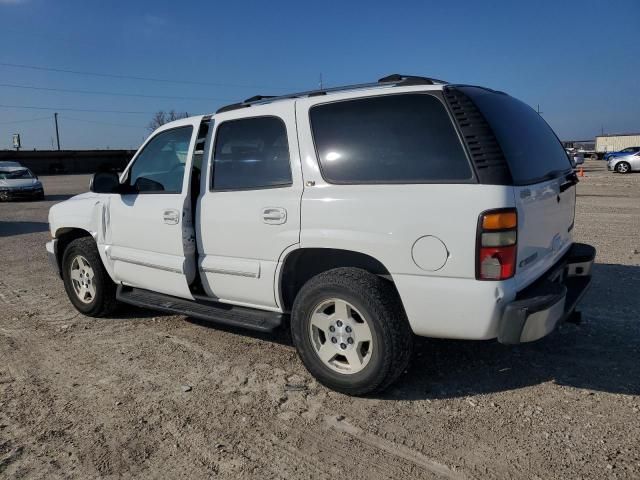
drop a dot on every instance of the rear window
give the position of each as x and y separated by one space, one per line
390 139
251 153
530 146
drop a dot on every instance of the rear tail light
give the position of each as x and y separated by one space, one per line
496 245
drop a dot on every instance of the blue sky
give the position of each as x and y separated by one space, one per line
580 60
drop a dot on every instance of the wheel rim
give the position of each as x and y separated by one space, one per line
622 168
340 336
82 279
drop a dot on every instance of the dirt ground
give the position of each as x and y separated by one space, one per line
146 395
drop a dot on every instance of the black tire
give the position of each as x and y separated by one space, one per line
619 167
378 301
104 302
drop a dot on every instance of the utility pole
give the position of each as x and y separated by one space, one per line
55 117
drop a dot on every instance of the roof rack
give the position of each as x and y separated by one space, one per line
394 80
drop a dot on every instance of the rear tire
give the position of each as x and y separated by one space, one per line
351 331
623 167
88 285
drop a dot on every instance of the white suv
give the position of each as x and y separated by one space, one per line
361 215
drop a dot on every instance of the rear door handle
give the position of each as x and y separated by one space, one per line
171 217
274 215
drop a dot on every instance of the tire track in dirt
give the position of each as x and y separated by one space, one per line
394 449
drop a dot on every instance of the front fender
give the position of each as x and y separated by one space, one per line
86 212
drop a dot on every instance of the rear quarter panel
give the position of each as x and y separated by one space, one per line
385 221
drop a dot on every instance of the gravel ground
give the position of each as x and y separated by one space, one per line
146 395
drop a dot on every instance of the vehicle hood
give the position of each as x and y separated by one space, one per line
19 182
83 196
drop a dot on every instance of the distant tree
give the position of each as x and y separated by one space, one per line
162 117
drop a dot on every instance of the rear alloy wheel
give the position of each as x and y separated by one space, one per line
341 336
623 167
350 330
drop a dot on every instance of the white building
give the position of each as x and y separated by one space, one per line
615 143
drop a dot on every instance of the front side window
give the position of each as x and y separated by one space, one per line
406 138
160 165
251 153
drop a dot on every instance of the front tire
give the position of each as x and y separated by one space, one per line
351 331
86 281
623 167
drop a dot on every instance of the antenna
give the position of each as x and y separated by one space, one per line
320 82
538 110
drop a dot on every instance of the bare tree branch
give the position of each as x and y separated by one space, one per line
161 117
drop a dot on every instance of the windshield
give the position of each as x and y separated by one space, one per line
531 148
15 174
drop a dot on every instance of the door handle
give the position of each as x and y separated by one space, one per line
171 217
274 215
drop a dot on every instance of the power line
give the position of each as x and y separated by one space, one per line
102 123
25 121
117 94
131 77
62 109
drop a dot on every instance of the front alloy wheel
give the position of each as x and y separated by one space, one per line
86 281
622 167
83 279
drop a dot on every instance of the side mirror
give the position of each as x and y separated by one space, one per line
105 182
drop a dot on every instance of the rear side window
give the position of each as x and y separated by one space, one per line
390 139
251 153
530 146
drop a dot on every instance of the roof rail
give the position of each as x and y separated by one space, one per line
395 80
405 80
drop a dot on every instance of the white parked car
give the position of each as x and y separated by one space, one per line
624 163
19 183
10 164
575 156
360 215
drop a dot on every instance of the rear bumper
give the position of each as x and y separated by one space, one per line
539 308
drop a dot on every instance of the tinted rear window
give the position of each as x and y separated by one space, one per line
251 153
530 146
391 139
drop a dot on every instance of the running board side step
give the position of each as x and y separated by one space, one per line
243 317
